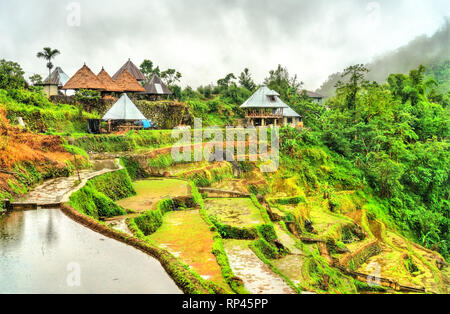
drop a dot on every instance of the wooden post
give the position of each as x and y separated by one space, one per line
76 165
7 204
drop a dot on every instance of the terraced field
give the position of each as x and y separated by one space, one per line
258 277
150 191
236 212
188 237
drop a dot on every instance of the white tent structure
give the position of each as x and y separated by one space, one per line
124 109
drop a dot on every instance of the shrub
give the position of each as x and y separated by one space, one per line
90 201
116 185
151 220
133 168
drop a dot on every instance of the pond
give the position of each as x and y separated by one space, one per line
43 251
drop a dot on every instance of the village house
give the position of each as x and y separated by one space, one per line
132 69
265 108
128 83
155 89
315 96
54 83
292 118
110 86
84 78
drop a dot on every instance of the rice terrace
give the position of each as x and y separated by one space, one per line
131 168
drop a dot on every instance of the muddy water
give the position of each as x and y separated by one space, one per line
41 252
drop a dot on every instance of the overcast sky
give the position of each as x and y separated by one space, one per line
207 39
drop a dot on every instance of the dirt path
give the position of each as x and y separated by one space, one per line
54 190
258 277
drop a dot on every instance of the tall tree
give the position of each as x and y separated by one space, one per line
48 54
147 68
279 80
357 77
170 76
245 80
226 81
11 75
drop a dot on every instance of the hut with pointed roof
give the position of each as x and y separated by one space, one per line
133 69
128 83
124 109
156 88
264 107
124 114
84 79
110 85
53 83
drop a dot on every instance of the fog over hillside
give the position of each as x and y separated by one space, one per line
422 50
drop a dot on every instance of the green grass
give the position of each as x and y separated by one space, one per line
194 250
237 212
150 191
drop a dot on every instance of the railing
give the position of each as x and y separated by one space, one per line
264 115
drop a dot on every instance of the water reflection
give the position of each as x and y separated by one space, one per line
36 248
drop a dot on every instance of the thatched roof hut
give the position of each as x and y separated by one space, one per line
110 85
128 83
133 69
84 79
156 87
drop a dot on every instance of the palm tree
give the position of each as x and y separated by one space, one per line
48 54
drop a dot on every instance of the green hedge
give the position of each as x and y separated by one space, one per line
151 220
133 168
97 198
131 141
116 185
231 232
289 200
89 201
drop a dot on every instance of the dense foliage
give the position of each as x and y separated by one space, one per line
389 139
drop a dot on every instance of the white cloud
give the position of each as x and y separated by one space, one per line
206 39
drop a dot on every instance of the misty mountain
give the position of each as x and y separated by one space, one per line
428 51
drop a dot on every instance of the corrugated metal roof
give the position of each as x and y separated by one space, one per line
264 98
156 87
124 109
314 95
57 77
289 113
133 69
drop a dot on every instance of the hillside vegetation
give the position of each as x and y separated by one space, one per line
366 180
